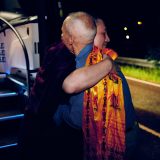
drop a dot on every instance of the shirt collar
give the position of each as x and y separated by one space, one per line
86 50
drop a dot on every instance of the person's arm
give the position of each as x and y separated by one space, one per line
86 77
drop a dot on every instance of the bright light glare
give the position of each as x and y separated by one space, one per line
127 36
139 22
125 28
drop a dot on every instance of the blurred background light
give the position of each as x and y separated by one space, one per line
127 37
139 22
125 28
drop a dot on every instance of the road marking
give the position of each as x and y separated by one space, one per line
155 133
141 81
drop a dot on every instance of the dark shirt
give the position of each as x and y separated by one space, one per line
129 109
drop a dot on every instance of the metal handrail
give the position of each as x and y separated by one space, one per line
138 62
25 53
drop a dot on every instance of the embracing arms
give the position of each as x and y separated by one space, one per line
86 77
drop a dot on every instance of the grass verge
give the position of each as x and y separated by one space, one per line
146 74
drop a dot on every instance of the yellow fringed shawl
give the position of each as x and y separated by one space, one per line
104 116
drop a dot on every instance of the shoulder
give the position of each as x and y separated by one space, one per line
110 52
58 53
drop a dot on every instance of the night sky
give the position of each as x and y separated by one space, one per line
144 40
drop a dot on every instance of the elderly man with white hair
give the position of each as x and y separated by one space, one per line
78 33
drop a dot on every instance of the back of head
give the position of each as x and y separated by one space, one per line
81 26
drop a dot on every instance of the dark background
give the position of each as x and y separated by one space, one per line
144 40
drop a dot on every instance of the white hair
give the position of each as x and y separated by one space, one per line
82 26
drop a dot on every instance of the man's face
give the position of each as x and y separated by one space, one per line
101 38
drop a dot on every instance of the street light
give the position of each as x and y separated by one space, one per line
125 28
139 23
127 37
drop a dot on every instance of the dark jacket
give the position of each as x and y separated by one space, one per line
47 93
38 134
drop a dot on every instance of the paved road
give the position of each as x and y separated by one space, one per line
146 96
146 99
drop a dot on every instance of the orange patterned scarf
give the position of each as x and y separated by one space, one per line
104 116
109 52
